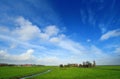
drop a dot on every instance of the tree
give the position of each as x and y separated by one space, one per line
94 63
61 65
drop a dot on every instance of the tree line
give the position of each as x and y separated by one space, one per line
84 64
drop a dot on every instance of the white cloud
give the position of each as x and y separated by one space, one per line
58 38
27 55
110 34
51 30
48 32
52 34
27 30
44 36
55 40
30 36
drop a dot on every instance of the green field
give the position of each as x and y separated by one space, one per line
99 72
18 72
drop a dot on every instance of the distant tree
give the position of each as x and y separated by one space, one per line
94 63
80 65
89 64
84 64
61 65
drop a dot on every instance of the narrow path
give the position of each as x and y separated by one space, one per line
37 74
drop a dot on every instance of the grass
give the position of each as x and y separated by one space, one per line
99 72
18 72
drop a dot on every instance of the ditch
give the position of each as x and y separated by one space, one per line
36 74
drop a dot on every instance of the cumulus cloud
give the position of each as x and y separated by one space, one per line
58 39
26 30
110 34
49 32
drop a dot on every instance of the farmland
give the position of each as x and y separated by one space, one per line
99 72
18 72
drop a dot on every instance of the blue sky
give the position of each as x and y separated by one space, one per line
52 32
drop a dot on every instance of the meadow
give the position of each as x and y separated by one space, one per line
99 72
18 72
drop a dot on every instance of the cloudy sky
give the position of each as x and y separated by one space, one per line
52 32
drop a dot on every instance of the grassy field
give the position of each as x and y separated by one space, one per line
18 72
99 72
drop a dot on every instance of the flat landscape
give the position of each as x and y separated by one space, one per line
98 72
19 72
59 39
